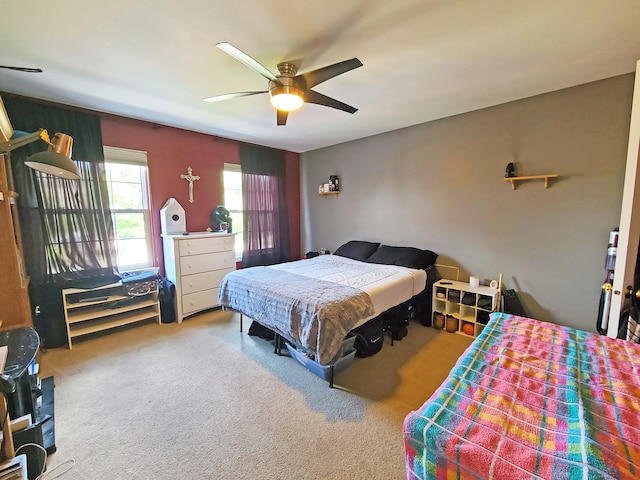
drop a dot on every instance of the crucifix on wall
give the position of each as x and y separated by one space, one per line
190 178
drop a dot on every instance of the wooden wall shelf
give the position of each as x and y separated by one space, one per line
324 194
546 178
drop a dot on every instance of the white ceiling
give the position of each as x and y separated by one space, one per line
423 59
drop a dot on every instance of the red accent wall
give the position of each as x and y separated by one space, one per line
170 151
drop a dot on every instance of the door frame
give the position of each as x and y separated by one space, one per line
629 235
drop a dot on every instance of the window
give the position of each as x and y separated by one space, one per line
128 183
233 202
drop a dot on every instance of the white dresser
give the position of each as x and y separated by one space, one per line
196 264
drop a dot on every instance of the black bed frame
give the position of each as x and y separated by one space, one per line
395 320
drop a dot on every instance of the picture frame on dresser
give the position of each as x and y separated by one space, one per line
196 263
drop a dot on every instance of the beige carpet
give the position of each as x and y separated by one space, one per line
200 400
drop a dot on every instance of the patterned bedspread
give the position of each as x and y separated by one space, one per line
530 400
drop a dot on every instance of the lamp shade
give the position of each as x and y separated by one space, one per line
56 160
285 94
286 102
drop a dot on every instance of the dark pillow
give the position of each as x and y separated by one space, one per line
357 250
404 256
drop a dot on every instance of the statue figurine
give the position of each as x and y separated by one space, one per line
334 185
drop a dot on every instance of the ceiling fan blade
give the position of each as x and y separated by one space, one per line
246 59
282 117
227 96
320 99
23 69
314 77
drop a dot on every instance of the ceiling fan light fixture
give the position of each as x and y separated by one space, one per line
287 102
285 97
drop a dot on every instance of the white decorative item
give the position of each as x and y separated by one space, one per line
190 178
172 218
474 281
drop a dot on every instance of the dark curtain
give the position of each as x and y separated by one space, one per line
265 213
66 225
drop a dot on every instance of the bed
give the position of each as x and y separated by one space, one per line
531 399
314 303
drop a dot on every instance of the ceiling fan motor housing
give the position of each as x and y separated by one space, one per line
286 83
285 86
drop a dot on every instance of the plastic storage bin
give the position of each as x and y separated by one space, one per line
348 344
323 371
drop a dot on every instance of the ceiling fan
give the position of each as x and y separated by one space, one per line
287 90
23 69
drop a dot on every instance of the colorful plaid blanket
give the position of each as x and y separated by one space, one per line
531 400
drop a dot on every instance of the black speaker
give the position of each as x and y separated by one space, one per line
7 384
48 314
23 443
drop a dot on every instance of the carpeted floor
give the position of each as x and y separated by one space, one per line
200 400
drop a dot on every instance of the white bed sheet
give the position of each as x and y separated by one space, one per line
386 285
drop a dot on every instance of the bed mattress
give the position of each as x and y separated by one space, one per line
530 399
386 285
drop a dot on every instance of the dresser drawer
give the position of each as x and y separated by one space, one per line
196 246
199 300
207 262
203 281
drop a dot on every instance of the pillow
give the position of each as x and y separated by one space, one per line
357 250
404 256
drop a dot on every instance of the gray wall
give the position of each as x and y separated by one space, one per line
440 186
